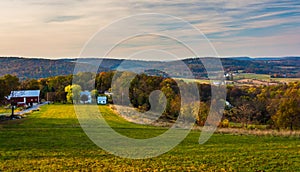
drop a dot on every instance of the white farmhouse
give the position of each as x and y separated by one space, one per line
102 100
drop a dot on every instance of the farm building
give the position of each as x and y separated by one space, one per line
102 100
25 97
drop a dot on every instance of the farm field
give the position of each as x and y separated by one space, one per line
286 79
263 77
52 140
248 76
252 76
201 81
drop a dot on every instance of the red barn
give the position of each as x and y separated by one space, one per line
23 97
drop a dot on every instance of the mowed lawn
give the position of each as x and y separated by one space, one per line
52 140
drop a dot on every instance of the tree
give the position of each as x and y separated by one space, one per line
10 84
85 79
287 115
84 98
245 113
94 95
103 81
203 113
43 84
29 84
2 90
73 93
57 84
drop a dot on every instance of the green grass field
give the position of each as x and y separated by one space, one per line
252 76
52 140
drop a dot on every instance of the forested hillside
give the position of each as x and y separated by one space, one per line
35 68
29 68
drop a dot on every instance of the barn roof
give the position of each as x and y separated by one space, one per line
25 93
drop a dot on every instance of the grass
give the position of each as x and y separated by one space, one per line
4 110
264 77
52 140
200 81
7 111
252 76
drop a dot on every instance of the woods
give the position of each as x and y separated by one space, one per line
276 106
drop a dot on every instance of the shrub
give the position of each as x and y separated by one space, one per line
2 117
251 127
224 123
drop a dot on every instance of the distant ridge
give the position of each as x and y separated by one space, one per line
26 68
240 58
265 58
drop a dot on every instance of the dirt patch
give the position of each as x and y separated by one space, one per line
235 131
255 82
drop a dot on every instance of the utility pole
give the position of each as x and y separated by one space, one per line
12 103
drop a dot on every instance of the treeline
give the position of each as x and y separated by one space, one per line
288 67
54 88
275 106
35 68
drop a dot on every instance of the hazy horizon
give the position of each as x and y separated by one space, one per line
123 58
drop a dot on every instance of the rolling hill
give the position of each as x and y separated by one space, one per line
26 68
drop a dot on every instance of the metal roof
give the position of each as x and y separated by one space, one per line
25 93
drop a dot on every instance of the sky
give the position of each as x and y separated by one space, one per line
59 29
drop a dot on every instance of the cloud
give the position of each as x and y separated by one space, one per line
64 18
65 26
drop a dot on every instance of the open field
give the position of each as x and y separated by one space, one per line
252 76
52 140
200 81
255 79
286 79
263 77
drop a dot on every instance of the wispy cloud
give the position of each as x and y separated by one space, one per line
235 27
63 19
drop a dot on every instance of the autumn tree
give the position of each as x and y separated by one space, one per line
103 81
85 79
287 114
29 84
203 113
57 84
73 93
9 83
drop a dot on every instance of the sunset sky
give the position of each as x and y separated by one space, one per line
57 29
